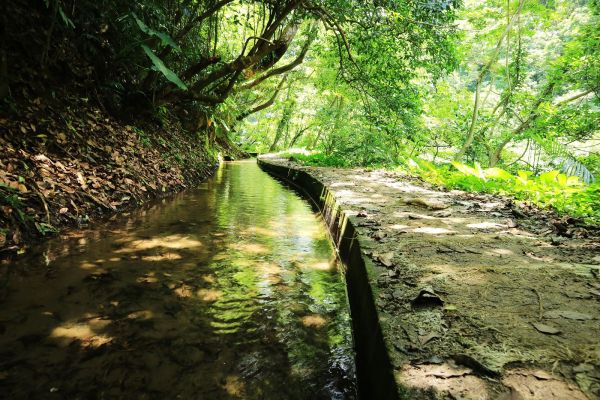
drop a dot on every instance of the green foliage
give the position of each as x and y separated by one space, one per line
318 159
162 68
165 38
566 194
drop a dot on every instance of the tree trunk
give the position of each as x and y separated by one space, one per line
481 76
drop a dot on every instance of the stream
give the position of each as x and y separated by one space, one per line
230 290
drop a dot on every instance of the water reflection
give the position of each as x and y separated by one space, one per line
229 291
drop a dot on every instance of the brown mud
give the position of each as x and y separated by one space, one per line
478 297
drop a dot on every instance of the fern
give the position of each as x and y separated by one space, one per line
562 158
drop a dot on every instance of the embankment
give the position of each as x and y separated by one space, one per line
66 163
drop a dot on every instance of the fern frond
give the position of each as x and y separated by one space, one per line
563 158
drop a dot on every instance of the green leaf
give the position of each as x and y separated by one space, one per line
160 66
465 169
166 39
65 19
498 173
549 177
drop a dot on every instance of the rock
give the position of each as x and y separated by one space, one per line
568 315
432 204
427 298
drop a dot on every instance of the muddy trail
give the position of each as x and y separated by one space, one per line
478 297
231 290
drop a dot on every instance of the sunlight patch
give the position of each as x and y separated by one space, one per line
314 321
433 231
486 225
82 332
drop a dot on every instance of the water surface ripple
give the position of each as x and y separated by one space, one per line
227 291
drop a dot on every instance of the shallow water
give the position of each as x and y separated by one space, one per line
227 291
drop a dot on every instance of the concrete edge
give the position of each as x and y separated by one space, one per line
375 372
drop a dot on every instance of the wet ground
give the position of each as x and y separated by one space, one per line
229 291
478 298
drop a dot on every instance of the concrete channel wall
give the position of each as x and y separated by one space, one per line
374 370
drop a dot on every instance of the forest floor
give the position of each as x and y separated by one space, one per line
479 297
65 162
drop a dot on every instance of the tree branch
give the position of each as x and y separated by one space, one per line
264 105
280 70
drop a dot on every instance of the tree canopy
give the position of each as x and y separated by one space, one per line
511 83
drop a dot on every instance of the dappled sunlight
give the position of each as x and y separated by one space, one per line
209 295
88 265
406 187
321 266
342 184
538 258
85 333
399 227
270 273
458 381
176 242
472 275
258 231
234 385
442 269
534 384
345 194
251 248
486 225
184 291
314 321
209 278
503 252
200 299
352 197
413 215
143 315
433 231
163 257
150 277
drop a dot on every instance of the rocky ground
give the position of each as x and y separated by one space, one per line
479 297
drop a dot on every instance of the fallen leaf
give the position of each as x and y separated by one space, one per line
81 180
547 329
542 375
424 339
386 258
427 298
63 210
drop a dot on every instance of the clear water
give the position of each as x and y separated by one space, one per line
228 291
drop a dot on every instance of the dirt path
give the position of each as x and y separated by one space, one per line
478 299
